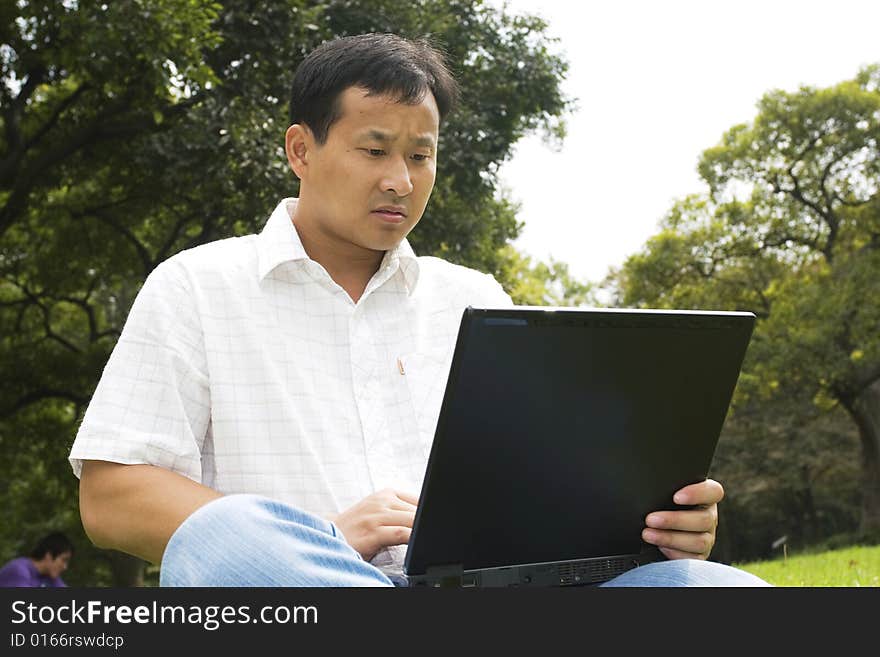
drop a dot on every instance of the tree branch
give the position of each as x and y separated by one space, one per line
173 237
10 164
47 320
24 179
88 310
39 395
797 239
849 204
143 253
12 115
798 194
63 106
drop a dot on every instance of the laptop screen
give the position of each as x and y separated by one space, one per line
561 429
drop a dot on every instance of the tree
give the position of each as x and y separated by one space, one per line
132 130
790 229
539 284
789 469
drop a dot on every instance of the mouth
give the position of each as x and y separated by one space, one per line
391 214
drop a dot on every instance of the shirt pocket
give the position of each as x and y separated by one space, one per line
426 374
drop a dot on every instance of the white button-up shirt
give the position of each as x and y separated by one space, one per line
244 366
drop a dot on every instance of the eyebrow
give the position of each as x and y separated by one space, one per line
425 141
384 137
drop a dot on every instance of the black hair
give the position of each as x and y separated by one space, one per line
381 64
55 543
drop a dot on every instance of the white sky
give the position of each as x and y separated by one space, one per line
657 83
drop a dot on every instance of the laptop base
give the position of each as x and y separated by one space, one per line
578 572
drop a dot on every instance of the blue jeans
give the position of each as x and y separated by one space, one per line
248 540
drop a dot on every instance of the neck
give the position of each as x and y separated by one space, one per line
349 265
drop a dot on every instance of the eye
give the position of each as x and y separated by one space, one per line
420 157
375 152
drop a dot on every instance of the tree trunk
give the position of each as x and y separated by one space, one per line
865 410
128 571
808 506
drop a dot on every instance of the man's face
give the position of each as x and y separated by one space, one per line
57 565
370 181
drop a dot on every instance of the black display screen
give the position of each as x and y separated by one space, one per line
561 430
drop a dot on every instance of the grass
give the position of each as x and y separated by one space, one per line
852 566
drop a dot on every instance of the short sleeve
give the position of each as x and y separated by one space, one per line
496 296
152 403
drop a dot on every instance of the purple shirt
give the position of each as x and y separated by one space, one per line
23 572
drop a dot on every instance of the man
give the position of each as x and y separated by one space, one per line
43 567
266 415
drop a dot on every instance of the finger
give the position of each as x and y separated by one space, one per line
694 543
693 520
408 497
703 492
386 536
392 518
390 499
678 554
402 505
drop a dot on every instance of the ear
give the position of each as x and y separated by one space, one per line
298 142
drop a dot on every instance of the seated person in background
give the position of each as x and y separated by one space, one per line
43 567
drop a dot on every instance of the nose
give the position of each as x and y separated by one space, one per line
396 177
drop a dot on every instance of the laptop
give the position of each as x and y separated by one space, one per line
560 430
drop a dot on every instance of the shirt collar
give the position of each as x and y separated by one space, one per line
279 242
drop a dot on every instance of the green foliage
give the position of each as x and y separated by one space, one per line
540 284
788 469
790 230
132 130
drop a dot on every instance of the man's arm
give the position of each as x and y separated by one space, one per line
136 508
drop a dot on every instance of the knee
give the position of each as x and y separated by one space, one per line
193 551
245 514
686 572
226 511
250 540
225 535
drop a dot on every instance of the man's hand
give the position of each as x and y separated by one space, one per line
690 533
382 519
